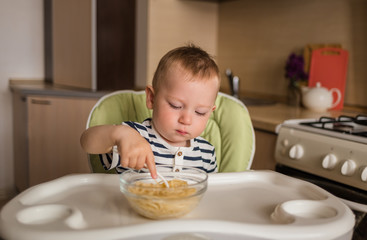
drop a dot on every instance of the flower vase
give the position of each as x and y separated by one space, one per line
294 96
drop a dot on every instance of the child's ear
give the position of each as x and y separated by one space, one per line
149 92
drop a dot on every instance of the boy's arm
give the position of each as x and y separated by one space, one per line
134 150
100 139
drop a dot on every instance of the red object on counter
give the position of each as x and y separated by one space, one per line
329 67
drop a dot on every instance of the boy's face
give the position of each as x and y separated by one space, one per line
181 107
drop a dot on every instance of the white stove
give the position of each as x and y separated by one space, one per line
335 149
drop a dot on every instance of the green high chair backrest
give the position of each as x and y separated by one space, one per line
229 127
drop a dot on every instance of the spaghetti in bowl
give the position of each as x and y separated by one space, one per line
154 200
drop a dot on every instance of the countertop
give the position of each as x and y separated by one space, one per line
267 117
39 87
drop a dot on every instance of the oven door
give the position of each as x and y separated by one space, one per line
355 198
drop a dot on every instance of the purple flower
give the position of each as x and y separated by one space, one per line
295 69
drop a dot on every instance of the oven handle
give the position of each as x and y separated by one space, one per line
355 206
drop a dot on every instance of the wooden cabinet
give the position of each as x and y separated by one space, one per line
90 43
117 44
46 137
265 149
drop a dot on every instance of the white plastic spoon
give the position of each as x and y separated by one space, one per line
160 176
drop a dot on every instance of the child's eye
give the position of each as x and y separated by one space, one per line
174 106
200 113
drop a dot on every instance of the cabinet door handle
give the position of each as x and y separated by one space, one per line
41 102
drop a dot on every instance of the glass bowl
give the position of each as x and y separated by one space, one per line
154 200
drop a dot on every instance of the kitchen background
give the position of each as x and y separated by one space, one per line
252 37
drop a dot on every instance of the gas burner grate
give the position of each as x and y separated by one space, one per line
344 124
361 119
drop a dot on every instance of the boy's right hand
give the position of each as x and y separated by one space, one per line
135 152
133 149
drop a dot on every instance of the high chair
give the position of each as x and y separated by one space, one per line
229 127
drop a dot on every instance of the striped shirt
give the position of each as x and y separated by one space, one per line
200 154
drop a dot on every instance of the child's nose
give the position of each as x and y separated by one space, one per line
185 118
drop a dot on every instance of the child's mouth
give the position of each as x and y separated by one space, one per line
181 132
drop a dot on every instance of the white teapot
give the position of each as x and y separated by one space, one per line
320 99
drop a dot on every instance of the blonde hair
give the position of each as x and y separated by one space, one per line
191 58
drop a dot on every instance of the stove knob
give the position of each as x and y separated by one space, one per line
348 167
296 152
285 142
364 174
329 161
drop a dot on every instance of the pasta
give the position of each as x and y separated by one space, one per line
177 189
157 201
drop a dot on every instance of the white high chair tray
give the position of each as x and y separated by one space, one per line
243 205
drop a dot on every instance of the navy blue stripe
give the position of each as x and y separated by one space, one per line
190 158
120 169
141 127
101 160
204 150
108 159
148 119
196 159
158 145
136 126
171 156
207 151
131 124
202 141
152 136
